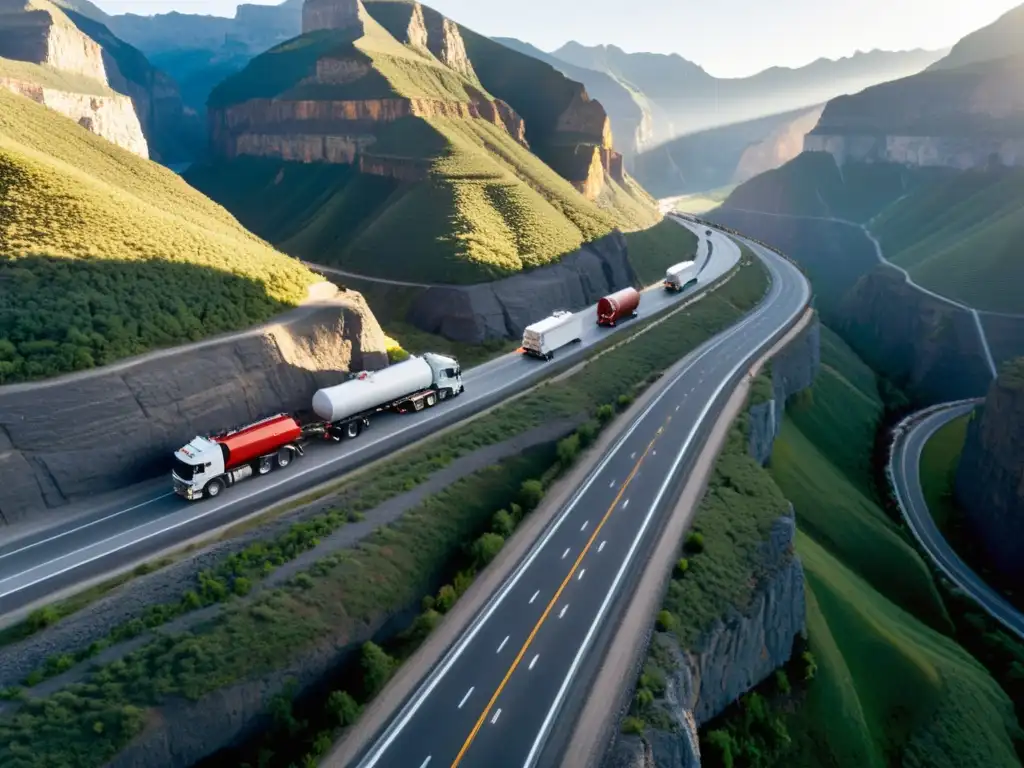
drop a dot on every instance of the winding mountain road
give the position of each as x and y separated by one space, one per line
506 691
144 520
905 471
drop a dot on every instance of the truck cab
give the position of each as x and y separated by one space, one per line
447 374
195 464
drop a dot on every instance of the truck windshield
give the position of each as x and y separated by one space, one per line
182 469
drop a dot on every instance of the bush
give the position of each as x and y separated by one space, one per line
782 682
682 566
502 523
463 581
530 494
446 598
810 666
43 617
633 725
428 603
666 621
643 699
517 512
624 401
568 449
486 548
695 542
377 669
345 709
242 586
605 413
587 432
724 747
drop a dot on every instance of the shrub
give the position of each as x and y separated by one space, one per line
502 523
43 617
624 401
301 580
587 432
682 566
530 494
486 548
666 621
345 709
605 413
428 603
810 666
695 542
446 598
35 677
782 682
463 581
632 725
242 586
644 698
724 746
568 449
377 668
517 512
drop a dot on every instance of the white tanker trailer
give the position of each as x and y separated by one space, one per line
206 465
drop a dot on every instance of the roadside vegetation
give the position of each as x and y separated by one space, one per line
939 460
105 255
272 629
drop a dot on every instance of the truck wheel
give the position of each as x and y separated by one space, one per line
352 430
431 400
213 489
284 458
266 464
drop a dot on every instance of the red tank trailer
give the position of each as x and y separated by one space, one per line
618 305
258 439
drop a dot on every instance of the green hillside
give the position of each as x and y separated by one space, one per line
891 688
961 237
106 255
475 205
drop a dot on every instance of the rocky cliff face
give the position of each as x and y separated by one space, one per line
37 32
139 412
112 117
777 148
990 477
502 309
745 645
968 117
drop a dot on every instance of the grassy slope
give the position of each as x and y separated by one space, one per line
111 255
938 469
960 238
490 207
890 688
49 77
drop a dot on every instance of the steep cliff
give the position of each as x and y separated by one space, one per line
990 477
696 668
389 140
140 411
39 33
968 117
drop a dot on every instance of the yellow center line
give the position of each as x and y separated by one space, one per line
550 606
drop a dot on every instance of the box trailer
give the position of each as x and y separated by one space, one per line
679 276
552 333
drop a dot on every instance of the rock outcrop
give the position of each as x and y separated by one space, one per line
139 412
969 117
990 477
502 309
329 14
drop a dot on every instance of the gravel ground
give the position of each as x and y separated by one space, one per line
167 585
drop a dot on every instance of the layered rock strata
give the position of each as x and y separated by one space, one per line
107 429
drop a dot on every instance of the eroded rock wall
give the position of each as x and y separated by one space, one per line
329 14
990 477
503 308
134 414
947 151
43 37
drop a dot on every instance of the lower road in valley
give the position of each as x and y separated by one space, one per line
905 468
508 689
144 520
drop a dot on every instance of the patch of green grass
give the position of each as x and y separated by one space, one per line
107 255
958 237
938 469
655 249
890 690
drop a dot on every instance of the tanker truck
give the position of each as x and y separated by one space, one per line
616 306
207 465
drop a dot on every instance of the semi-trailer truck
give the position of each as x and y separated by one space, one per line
680 275
617 306
545 336
207 465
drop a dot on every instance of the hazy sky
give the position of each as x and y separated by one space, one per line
729 38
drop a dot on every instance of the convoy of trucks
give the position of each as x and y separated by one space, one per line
618 305
207 465
542 338
679 276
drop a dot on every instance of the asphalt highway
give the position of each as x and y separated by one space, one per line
905 465
144 520
507 690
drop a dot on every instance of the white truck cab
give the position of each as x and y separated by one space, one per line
194 465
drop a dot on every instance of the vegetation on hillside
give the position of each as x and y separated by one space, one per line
938 470
106 255
343 592
959 237
49 77
891 683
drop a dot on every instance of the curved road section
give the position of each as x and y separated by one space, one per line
504 692
145 520
904 468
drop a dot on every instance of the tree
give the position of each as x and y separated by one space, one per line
377 666
486 548
345 709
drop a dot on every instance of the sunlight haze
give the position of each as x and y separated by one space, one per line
731 38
